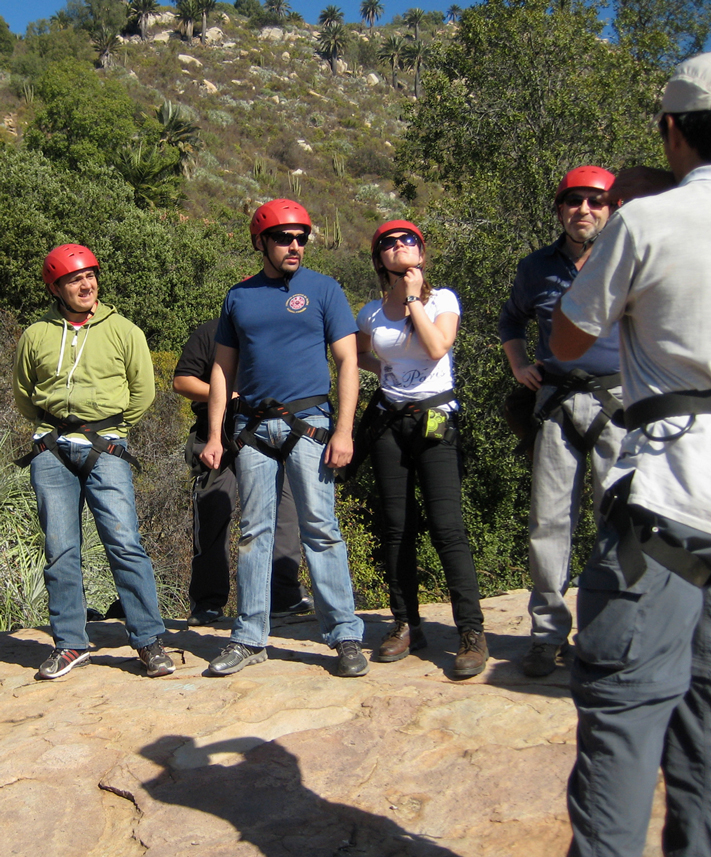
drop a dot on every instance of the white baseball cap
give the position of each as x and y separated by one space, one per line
689 88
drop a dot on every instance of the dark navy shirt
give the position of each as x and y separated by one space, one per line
541 278
281 330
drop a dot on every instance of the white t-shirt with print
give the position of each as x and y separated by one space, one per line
408 373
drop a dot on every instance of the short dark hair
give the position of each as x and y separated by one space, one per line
695 128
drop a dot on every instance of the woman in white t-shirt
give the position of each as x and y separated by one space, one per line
406 339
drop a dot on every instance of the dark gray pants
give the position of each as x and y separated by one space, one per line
638 709
212 517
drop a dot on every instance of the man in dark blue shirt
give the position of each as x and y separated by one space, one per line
574 400
274 332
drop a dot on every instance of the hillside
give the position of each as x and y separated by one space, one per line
274 119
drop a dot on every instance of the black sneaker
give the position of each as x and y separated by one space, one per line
306 605
62 660
351 660
235 657
204 616
156 660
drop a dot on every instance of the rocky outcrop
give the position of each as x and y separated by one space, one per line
284 758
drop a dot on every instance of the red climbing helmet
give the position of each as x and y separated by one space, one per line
66 259
395 226
278 212
584 177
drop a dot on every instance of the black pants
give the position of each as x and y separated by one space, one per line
212 513
400 456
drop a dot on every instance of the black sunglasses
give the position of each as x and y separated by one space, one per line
284 239
575 201
389 241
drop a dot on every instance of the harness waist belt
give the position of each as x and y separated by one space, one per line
75 425
684 403
577 381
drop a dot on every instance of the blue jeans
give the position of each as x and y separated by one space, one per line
259 481
108 490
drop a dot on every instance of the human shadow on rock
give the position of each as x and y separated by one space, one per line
263 797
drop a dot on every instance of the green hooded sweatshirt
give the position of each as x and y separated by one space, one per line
93 372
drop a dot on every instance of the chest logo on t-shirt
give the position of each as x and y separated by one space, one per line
297 303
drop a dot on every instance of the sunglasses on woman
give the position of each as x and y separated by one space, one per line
284 239
389 241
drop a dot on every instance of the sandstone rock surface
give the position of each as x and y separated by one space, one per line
284 759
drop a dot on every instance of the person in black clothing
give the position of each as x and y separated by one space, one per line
214 505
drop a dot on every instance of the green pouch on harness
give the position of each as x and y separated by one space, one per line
434 424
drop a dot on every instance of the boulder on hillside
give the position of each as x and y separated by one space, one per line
161 18
341 66
214 36
372 79
271 34
186 58
162 37
208 87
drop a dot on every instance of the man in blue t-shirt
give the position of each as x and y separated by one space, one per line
272 337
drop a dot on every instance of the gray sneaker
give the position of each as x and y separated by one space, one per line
156 659
351 660
236 656
542 658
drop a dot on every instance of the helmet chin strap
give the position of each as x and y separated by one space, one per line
285 275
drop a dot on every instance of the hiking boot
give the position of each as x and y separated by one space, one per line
351 660
542 658
472 655
306 605
62 660
235 657
204 616
400 640
156 660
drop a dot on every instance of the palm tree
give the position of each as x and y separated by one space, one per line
106 43
186 13
180 133
141 9
152 178
414 55
279 8
370 11
413 18
454 13
330 15
391 53
205 7
332 43
62 20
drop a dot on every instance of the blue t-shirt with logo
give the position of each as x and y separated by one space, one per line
281 330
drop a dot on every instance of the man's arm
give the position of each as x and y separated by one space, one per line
221 384
191 388
24 380
140 377
567 341
525 372
340 448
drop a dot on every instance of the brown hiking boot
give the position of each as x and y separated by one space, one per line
472 655
400 640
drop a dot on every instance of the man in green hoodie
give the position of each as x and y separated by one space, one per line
83 375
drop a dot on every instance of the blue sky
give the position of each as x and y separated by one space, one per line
19 14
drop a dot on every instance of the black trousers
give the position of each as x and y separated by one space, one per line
212 514
401 456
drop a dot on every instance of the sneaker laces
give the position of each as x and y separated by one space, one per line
348 649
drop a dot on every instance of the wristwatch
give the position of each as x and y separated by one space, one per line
411 299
